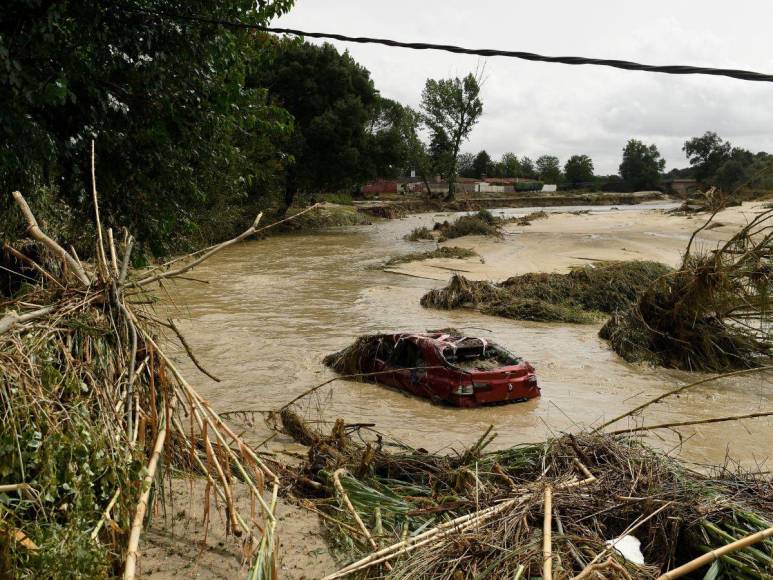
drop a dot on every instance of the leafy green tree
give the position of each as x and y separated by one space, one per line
335 107
527 168
641 165
464 165
178 129
451 108
549 168
511 167
481 165
386 151
578 169
706 154
418 156
730 175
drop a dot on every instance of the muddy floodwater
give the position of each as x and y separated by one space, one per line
273 308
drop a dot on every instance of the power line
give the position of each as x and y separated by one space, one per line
743 75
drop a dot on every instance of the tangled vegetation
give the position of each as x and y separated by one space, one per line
94 413
400 512
713 313
443 252
582 295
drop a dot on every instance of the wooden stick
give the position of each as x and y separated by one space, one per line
105 514
142 504
679 390
17 254
25 487
12 319
34 229
547 539
686 423
101 255
709 557
340 489
188 349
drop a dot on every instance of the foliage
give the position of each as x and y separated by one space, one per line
344 132
527 168
706 154
420 233
418 156
641 165
443 252
451 108
482 223
712 314
481 165
578 296
549 169
578 169
178 129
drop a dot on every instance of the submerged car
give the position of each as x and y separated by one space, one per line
445 367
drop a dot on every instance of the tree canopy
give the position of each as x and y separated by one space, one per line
641 165
706 154
578 169
549 168
176 125
451 108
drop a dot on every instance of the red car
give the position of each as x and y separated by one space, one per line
460 370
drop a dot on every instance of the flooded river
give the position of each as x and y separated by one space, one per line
273 308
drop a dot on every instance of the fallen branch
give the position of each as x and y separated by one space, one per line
34 229
716 554
687 423
12 319
679 390
547 539
188 350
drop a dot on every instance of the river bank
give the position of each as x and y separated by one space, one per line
273 308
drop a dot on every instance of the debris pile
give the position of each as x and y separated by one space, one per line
452 252
95 412
713 313
565 508
582 295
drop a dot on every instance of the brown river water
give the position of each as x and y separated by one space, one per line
273 308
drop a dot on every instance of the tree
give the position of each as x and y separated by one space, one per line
464 165
335 106
730 174
527 168
511 167
418 156
641 165
178 128
706 154
578 169
549 168
451 108
481 166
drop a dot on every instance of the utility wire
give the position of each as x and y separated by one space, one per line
743 75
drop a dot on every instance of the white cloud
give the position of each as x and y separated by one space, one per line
536 108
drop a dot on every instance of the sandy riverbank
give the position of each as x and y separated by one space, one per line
564 240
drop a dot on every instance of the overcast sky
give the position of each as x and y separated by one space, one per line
538 108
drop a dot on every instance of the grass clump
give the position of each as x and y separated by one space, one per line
531 217
580 296
326 215
712 314
422 233
444 252
482 223
602 485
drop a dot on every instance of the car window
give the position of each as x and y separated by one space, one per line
406 355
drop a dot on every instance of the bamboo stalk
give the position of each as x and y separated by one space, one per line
701 561
34 229
547 539
687 423
142 504
681 389
101 256
340 489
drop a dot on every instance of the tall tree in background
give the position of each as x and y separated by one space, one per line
641 165
706 154
527 168
549 168
578 169
511 167
418 156
451 108
464 164
334 104
177 126
481 165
